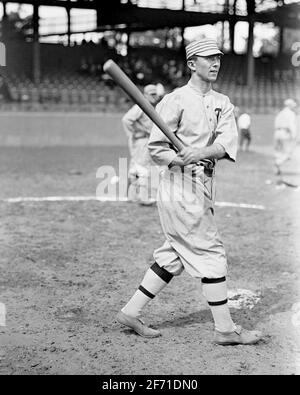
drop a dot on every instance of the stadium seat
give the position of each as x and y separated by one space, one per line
69 89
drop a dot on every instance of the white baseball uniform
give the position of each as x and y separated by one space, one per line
186 200
285 134
137 126
192 239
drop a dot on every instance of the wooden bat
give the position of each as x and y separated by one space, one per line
111 68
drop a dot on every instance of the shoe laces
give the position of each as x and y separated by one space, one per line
238 329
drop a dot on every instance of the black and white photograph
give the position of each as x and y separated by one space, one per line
149 190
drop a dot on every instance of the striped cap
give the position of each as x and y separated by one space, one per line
203 47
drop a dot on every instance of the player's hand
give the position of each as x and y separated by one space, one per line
177 161
190 155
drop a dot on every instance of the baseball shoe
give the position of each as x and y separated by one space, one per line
147 203
137 325
239 336
278 171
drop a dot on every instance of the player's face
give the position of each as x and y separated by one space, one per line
152 97
293 106
207 67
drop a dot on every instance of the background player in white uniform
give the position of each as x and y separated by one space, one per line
204 121
285 135
244 124
137 126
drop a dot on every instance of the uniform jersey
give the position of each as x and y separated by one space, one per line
286 120
136 123
137 126
197 120
284 135
244 121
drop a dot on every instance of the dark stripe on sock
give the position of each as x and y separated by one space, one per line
147 293
217 303
206 280
161 272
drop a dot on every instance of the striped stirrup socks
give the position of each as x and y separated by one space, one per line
215 291
155 279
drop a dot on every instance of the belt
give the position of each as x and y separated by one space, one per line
206 164
208 168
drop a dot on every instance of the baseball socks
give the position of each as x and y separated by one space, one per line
215 292
226 332
155 279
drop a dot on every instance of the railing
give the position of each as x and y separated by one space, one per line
79 23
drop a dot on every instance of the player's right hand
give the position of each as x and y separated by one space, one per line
177 161
190 155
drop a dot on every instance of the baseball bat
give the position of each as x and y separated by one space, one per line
112 69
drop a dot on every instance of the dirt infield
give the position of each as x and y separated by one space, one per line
68 267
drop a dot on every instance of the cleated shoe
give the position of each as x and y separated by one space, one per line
239 336
150 202
137 325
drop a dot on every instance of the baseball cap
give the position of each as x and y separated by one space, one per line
160 89
150 89
290 103
203 47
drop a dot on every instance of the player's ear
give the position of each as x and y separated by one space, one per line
191 65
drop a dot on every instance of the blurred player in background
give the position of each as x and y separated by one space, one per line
236 113
5 95
160 91
285 135
244 124
137 126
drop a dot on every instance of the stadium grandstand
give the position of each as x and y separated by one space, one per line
55 63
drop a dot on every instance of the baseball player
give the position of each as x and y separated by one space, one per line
244 123
285 134
236 113
137 126
203 120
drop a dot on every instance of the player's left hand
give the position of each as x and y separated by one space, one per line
190 155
